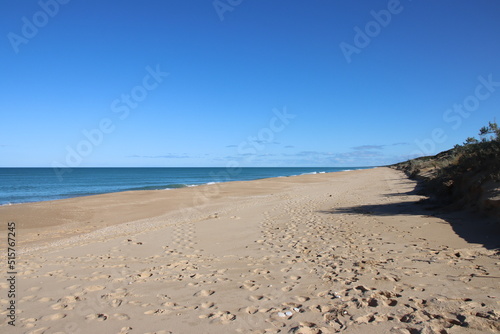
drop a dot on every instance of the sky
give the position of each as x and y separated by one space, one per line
264 83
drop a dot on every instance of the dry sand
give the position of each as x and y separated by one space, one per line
346 252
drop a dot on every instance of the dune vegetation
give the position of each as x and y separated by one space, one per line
467 175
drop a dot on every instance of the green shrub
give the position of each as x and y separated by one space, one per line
476 161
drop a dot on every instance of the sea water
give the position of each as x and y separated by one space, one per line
21 185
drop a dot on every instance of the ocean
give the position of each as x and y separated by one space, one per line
22 185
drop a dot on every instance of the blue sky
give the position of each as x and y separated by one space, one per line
248 83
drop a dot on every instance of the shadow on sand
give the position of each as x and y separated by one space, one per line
471 226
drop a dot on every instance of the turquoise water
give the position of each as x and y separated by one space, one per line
21 185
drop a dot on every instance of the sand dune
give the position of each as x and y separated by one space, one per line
346 252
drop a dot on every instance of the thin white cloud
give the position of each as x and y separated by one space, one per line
368 147
167 156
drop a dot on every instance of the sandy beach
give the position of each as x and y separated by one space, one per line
350 252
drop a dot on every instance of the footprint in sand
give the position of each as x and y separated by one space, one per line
145 274
58 306
307 328
98 277
116 302
29 321
260 271
28 298
258 298
121 316
97 316
206 305
29 272
52 317
204 293
157 311
251 309
95 288
176 307
227 317
250 285
224 317
65 303
38 330
370 318
72 287
301 299
125 330
321 308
